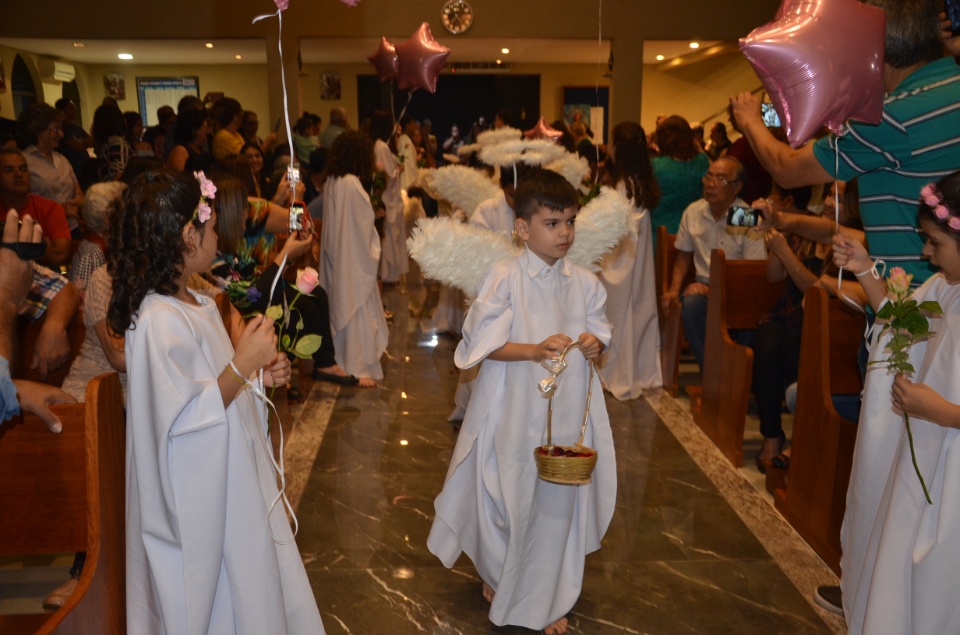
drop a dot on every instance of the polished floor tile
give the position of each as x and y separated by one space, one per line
676 559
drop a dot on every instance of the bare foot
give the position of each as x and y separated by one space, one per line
366 382
557 628
488 592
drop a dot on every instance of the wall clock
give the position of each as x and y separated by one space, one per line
456 16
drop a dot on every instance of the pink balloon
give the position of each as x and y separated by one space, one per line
419 60
543 131
385 60
282 4
350 3
822 63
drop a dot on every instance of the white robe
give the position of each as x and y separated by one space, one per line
409 170
901 554
393 259
202 554
632 362
349 255
527 538
497 216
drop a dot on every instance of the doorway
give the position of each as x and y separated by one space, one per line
23 89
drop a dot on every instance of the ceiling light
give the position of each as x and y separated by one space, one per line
404 442
238 57
125 56
499 61
78 45
660 58
694 45
505 51
209 45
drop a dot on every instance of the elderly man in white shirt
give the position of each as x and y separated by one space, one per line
704 228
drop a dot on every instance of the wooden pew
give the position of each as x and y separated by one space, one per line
739 296
821 453
64 493
671 328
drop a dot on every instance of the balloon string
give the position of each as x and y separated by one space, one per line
396 132
596 146
283 82
836 223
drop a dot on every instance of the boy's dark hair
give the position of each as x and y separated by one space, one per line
507 178
542 188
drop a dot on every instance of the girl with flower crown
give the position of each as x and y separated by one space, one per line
900 551
209 547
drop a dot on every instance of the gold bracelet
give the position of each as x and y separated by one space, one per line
230 368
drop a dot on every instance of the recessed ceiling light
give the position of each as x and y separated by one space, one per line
238 57
125 56
694 45
209 45
78 45
660 58
505 51
499 61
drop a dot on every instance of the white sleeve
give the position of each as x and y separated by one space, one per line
489 320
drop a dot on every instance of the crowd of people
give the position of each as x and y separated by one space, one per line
149 225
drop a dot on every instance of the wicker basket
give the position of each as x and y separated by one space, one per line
565 464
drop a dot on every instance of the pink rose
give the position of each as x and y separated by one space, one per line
954 223
203 212
307 280
941 212
899 281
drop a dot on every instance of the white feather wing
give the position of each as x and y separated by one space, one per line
464 187
601 224
457 254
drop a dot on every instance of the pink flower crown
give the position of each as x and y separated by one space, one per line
932 197
208 192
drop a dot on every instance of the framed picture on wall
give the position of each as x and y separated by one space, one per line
330 86
590 105
113 86
163 91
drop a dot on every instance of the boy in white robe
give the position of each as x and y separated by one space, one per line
528 538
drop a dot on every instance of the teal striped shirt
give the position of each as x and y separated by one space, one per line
916 142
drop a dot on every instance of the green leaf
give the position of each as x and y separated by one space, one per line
275 312
300 325
931 306
285 341
916 323
885 311
307 345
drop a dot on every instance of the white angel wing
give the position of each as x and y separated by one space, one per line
457 254
601 224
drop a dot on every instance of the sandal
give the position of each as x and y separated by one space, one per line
294 396
781 461
343 380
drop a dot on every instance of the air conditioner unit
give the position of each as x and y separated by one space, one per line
54 71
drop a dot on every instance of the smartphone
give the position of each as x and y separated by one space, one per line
276 126
296 217
952 9
738 216
770 117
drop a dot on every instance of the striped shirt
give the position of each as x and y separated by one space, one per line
916 142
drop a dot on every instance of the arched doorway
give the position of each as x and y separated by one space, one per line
24 90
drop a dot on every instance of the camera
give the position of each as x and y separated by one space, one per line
738 216
296 217
770 117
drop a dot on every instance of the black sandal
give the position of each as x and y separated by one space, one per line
343 380
294 395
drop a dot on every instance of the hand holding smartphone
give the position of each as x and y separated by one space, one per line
296 217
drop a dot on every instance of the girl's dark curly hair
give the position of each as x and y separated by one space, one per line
631 164
145 245
675 139
947 192
352 153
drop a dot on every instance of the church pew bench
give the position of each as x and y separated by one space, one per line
64 493
27 333
814 497
671 328
739 296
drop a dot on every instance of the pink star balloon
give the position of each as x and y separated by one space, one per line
543 131
385 60
821 61
419 60
282 4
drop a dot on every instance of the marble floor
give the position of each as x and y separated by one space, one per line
693 546
679 557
